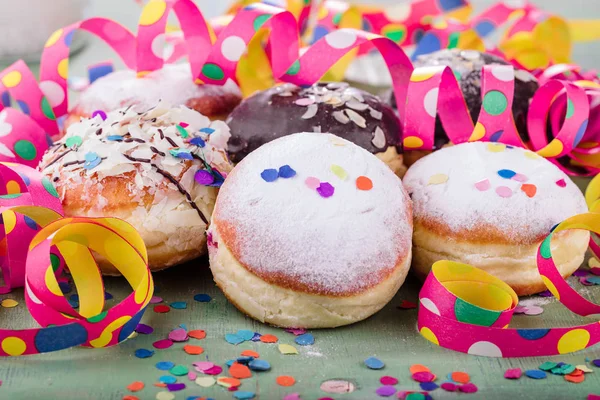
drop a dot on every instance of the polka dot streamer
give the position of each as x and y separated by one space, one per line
446 319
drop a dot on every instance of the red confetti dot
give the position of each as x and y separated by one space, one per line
449 387
424 376
561 183
269 339
514 373
285 380
460 377
162 344
364 183
135 386
388 380
250 353
161 309
468 388
240 371
193 350
418 368
130 397
197 334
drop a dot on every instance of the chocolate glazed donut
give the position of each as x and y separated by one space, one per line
467 65
336 108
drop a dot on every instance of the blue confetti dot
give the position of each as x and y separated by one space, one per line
532 334
229 363
506 173
179 305
208 131
98 71
69 38
30 223
245 334
49 140
496 136
428 386
114 138
596 363
164 365
244 360
374 363
485 27
24 107
259 365
270 175
286 171
580 133
108 296
256 337
428 44
535 374
5 98
319 32
65 287
25 179
60 337
449 5
197 141
593 279
306 339
243 395
167 379
144 353
232 338
202 298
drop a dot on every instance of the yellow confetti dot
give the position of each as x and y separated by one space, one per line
142 74
164 396
51 282
413 142
336 141
287 349
205 381
63 68
13 346
10 221
54 37
199 81
437 179
532 155
551 287
554 148
496 147
429 335
478 133
9 303
422 74
574 340
11 79
339 172
153 12
584 368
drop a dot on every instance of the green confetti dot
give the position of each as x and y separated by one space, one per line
47 109
453 40
337 18
49 187
471 314
545 248
10 196
260 21
73 141
98 317
457 75
55 262
184 134
213 71
495 102
294 69
179 370
25 149
396 35
570 109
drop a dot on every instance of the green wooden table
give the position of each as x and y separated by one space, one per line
390 335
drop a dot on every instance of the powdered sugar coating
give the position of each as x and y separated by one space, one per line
286 231
466 201
172 84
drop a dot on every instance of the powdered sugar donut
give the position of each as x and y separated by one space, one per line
159 170
310 231
491 205
173 84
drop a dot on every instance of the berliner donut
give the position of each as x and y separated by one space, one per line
310 231
491 205
158 169
173 84
336 108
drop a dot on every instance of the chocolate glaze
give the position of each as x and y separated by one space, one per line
273 113
467 64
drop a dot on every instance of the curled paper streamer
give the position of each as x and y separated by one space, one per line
70 240
465 309
23 191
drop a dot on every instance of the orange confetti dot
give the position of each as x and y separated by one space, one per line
197 334
130 397
193 350
239 371
135 386
250 353
364 183
269 339
229 382
577 372
460 377
575 379
160 385
285 380
418 368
